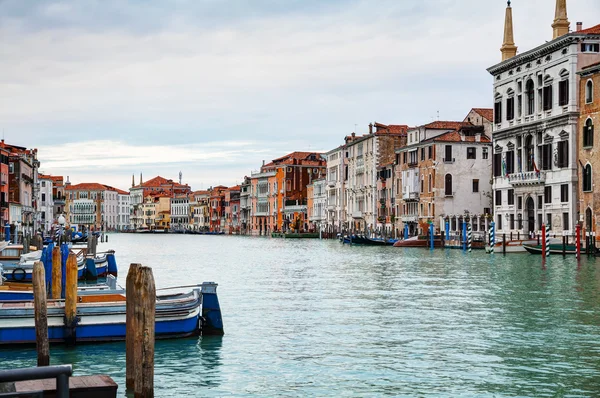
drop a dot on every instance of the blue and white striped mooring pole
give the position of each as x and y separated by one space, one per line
492 237
469 236
464 235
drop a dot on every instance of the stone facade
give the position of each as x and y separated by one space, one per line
536 129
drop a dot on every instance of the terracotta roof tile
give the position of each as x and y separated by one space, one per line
86 186
446 125
594 30
391 129
455 136
487 113
157 182
591 66
296 155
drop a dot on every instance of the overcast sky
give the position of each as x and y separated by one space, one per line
106 89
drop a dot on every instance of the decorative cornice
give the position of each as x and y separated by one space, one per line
532 55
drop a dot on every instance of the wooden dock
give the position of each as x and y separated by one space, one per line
98 386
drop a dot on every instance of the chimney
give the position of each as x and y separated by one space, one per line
370 128
579 26
353 135
263 162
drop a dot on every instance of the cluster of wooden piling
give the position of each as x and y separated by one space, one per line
140 321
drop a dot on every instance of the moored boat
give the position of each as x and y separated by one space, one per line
419 241
88 266
554 249
363 240
512 246
101 316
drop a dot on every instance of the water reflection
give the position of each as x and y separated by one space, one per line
317 318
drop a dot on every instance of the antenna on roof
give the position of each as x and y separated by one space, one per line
438 115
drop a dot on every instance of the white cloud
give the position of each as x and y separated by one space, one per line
298 77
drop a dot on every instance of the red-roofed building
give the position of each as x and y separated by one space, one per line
23 189
363 155
278 192
442 174
217 209
96 207
156 185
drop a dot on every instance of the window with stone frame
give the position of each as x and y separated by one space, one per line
564 193
548 194
587 178
511 197
547 93
471 152
510 108
530 92
563 92
589 92
588 134
563 154
498 112
448 185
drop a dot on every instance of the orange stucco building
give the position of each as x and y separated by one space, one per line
279 192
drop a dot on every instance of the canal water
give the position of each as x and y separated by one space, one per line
317 318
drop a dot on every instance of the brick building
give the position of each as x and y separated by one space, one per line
589 155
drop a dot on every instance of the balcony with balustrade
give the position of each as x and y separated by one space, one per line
527 178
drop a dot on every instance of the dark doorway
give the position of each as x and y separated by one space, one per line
529 215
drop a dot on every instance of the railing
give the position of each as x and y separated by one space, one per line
59 372
413 163
527 178
357 214
295 208
409 218
259 174
410 196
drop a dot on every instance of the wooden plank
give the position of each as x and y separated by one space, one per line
96 386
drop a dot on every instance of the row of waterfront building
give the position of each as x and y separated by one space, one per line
528 161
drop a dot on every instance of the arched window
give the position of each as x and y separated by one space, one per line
448 185
587 178
589 92
588 133
529 89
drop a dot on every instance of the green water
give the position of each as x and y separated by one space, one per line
315 318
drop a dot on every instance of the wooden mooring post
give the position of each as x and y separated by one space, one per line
140 323
56 273
41 314
71 300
